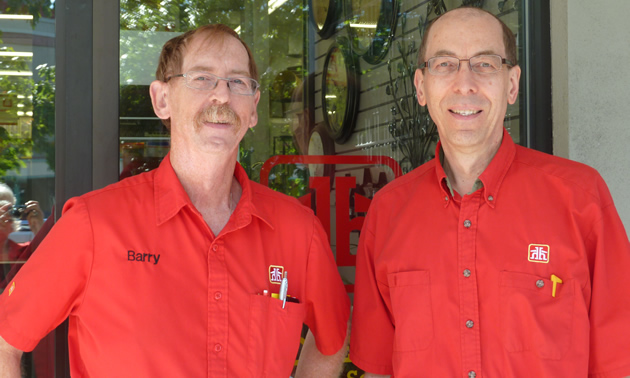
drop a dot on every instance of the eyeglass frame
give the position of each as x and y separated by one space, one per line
185 76
505 61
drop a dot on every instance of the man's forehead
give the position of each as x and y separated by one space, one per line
466 25
202 47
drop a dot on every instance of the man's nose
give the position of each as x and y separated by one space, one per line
465 80
221 92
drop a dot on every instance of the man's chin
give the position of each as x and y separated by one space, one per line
219 145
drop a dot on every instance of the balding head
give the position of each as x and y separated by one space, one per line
6 194
509 40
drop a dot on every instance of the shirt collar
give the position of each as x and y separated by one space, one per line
170 196
491 178
246 207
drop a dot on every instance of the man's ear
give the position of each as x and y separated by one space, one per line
418 81
514 77
159 97
254 115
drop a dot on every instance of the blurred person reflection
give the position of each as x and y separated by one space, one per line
13 256
9 223
132 159
301 125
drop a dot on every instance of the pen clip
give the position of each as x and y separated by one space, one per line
556 280
284 286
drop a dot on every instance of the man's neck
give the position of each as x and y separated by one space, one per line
4 247
210 184
463 168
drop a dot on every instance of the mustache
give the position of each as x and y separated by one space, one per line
218 114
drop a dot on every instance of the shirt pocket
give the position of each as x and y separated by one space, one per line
532 319
410 294
274 336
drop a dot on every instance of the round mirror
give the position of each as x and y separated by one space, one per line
324 15
372 27
340 92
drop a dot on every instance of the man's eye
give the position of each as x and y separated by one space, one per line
485 67
238 81
446 64
202 78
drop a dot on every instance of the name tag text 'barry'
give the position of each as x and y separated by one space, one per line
148 257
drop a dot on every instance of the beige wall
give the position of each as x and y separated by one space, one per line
591 88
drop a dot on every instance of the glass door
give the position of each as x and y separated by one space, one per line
27 146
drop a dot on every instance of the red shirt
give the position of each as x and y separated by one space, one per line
150 291
8 262
462 287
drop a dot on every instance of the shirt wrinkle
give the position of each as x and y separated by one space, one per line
89 277
310 248
572 183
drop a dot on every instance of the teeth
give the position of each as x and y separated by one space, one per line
465 112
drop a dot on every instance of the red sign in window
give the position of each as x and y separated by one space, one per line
345 224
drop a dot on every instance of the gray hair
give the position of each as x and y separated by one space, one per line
6 195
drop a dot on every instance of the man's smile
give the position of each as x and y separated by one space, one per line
464 112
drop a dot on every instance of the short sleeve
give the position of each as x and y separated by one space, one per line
609 257
52 283
372 336
328 305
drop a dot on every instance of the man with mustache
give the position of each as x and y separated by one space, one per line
178 272
491 260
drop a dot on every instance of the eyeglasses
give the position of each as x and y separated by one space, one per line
206 81
481 64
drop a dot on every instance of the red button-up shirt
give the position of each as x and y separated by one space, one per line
151 292
470 286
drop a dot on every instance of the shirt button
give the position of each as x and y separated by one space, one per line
218 348
446 198
469 323
215 247
217 295
467 223
540 284
467 273
490 198
472 374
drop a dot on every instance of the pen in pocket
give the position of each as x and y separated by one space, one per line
284 286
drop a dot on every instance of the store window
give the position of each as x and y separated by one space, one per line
338 116
27 145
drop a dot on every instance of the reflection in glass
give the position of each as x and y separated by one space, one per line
336 90
316 147
324 15
27 147
372 27
320 12
340 91
27 106
366 14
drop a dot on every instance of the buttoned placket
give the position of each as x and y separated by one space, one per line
217 309
468 290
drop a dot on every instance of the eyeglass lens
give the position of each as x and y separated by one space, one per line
206 81
484 64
